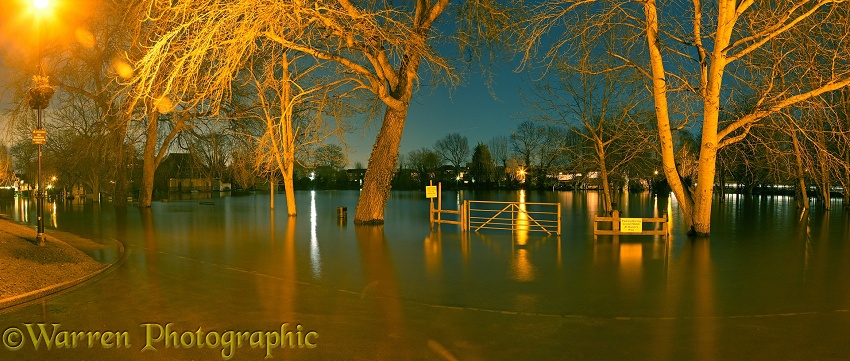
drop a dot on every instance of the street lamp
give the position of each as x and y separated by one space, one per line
39 97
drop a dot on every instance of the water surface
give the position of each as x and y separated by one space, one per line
769 283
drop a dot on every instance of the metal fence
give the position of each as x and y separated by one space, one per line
513 216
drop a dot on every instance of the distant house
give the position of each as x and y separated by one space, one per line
182 172
356 175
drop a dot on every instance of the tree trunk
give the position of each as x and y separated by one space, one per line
603 174
846 192
95 188
825 180
379 174
119 193
803 201
665 133
701 218
288 185
149 161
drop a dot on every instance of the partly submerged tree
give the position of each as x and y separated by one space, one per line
708 50
199 45
193 65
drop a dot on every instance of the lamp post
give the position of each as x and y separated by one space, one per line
39 97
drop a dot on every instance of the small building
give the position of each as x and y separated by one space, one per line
182 172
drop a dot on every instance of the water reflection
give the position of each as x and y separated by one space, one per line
315 256
521 226
631 265
687 299
53 215
433 252
522 267
704 299
382 287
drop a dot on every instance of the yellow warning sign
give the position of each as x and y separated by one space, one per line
430 191
39 136
631 225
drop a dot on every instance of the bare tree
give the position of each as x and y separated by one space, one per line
601 107
716 43
7 172
82 57
425 162
453 148
499 149
526 141
330 156
380 46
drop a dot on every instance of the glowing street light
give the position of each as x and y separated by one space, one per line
39 97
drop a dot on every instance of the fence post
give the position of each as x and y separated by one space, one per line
431 207
463 216
431 213
616 221
559 218
439 201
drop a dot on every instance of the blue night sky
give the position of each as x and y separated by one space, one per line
468 109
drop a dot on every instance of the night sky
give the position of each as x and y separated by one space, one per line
469 108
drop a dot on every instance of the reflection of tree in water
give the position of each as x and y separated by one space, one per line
155 293
382 286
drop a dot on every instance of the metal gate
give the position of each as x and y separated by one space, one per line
513 216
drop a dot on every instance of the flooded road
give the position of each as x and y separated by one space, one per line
226 278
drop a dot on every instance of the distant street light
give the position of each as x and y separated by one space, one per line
39 97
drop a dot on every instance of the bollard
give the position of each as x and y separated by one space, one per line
342 212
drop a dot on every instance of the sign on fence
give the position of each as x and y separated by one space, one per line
631 225
430 191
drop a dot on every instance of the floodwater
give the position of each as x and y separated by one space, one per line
226 278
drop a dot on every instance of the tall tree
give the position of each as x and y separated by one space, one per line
7 170
330 156
425 162
379 45
81 52
453 148
708 53
247 46
499 148
602 108
482 167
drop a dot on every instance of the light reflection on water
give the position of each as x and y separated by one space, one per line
760 258
315 256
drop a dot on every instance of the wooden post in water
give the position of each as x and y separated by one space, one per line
431 207
463 217
615 225
559 223
439 201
